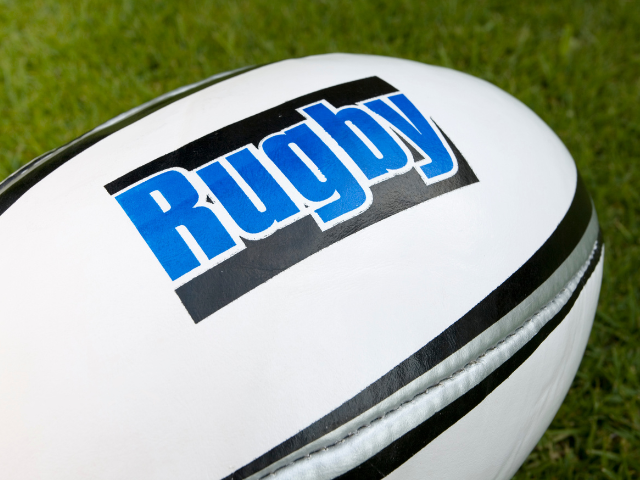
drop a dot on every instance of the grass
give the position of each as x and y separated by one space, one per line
66 67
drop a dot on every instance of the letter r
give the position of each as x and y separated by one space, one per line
157 223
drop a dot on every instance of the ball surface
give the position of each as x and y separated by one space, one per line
340 266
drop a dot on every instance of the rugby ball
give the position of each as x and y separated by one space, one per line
334 267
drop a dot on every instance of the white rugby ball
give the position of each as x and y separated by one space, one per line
340 266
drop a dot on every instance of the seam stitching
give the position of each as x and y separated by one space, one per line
439 384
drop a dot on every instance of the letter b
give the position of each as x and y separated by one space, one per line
389 155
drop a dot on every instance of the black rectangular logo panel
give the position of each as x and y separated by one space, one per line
344 158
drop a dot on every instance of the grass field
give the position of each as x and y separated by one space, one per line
66 67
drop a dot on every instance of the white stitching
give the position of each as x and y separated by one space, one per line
446 379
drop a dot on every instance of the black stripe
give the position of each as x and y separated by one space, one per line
252 130
503 299
28 176
393 456
264 259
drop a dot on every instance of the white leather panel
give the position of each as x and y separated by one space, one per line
497 435
111 378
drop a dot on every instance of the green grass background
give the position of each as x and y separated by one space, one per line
66 67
